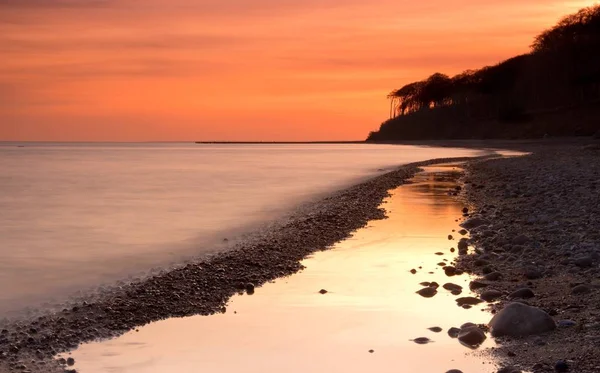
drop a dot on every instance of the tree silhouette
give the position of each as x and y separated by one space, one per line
560 75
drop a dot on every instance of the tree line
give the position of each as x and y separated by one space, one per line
524 96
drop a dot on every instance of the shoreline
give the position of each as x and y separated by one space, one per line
369 294
203 288
541 214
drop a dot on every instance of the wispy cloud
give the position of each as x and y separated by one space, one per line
33 4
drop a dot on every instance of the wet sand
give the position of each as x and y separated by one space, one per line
370 304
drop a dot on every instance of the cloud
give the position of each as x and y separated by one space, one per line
131 68
18 44
41 4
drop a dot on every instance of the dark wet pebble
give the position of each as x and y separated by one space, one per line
476 284
454 371
581 289
493 276
566 323
427 292
450 237
583 261
561 366
463 232
70 361
532 273
452 287
250 288
524 293
509 370
439 253
453 332
323 291
487 270
449 271
471 336
468 300
424 283
490 295
413 271
435 329
371 351
421 340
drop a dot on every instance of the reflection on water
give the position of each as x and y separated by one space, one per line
370 305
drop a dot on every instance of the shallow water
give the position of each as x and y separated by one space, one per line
371 304
73 216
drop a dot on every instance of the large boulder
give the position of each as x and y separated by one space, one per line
518 320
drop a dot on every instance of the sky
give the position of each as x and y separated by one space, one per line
238 70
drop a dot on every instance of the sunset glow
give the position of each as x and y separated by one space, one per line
158 70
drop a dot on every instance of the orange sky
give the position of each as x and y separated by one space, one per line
168 70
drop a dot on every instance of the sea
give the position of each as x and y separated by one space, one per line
76 218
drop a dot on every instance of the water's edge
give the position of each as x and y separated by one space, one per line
204 287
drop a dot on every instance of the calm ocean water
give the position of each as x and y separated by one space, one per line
75 216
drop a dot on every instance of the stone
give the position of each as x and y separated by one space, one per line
518 320
481 262
581 289
472 301
475 284
524 293
427 292
494 276
463 244
532 273
509 370
435 329
465 210
450 237
487 270
439 253
520 239
250 288
413 271
474 222
70 361
452 287
490 295
449 271
471 336
322 291
454 371
462 232
434 285
453 332
561 366
566 323
583 261
421 340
